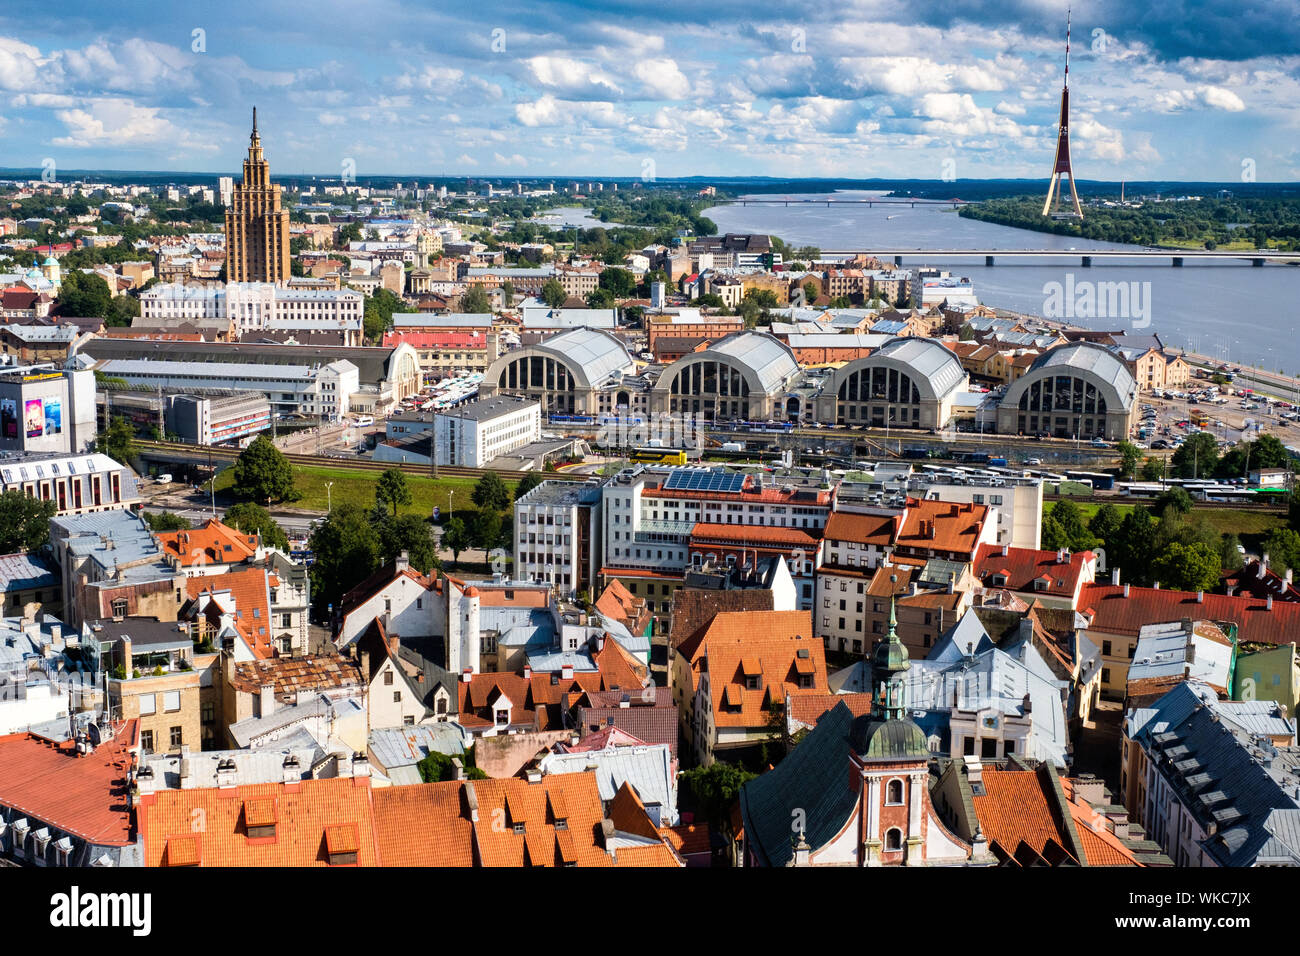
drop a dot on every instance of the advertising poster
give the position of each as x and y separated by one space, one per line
35 418
9 418
54 416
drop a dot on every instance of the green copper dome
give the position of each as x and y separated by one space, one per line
891 740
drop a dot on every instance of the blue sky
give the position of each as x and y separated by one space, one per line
1179 90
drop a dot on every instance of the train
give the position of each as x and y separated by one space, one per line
658 456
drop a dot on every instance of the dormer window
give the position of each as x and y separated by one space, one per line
341 844
999 580
519 827
259 818
503 718
751 683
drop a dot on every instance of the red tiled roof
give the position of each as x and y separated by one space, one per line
289 675
85 796
250 589
750 534
425 825
861 528
942 526
1114 613
1022 566
437 340
808 708
214 543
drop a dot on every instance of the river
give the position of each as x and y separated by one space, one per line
1242 314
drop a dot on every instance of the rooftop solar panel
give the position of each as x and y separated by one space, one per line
705 479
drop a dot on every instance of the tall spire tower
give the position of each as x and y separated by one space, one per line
257 229
1061 166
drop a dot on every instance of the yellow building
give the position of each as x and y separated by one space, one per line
257 229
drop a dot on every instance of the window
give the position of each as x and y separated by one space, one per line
388 678
1105 648
968 746
409 720
894 793
989 747
119 607
893 840
176 737
208 713
172 701
146 741
397 697
148 705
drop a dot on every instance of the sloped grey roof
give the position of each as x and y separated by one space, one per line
649 769
1095 362
591 355
766 362
935 370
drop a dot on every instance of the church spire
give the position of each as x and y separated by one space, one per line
889 662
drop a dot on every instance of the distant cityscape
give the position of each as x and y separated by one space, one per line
543 523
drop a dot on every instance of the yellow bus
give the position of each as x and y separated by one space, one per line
658 456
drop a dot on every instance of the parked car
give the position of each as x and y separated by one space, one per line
1033 461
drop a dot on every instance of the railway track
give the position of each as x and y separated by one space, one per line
202 454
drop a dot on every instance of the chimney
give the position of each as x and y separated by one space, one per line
952 581
1027 705
458 769
471 798
534 775
144 779
1088 788
1126 587
1269 603
1200 597
1005 549
466 676
1232 589
528 672
1286 577
1262 567
403 561
1114 577
291 770
267 700
360 765
1156 585
344 764
226 773
566 671
56 630
1060 555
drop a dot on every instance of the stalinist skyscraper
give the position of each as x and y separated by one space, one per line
257 229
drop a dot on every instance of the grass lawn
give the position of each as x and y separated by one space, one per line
1245 524
359 488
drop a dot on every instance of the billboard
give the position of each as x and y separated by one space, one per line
54 416
8 418
35 418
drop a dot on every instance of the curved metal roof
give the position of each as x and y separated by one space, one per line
591 355
1094 362
934 368
767 362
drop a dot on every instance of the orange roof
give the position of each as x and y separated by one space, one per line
84 796
252 599
1021 567
522 830
214 543
309 814
750 534
425 825
1014 808
774 643
942 526
289 675
808 707
862 529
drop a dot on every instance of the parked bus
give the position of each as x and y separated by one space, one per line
658 456
1100 481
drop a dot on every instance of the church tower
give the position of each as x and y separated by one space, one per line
257 229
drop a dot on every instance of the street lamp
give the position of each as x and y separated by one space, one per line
329 498
212 484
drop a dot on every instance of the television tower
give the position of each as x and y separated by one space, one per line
1062 164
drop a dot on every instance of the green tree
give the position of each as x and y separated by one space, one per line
252 518
967 334
1153 469
715 787
456 537
527 483
412 534
600 299
491 493
85 294
475 300
392 489
620 283
553 293
507 295
1187 567
1229 557
1293 508
1073 533
1105 523
262 473
1176 498
438 767
165 521
118 440
1196 458
24 521
1129 456
349 233
1134 546
1283 549
486 529
346 550
810 292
